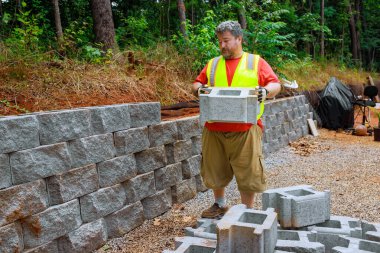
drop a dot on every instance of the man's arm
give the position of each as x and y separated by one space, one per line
273 89
195 88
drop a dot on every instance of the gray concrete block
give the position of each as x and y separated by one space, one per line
102 202
297 241
73 184
347 250
139 187
370 231
168 176
11 238
21 201
124 220
193 245
64 125
289 115
332 241
191 166
91 149
50 247
305 130
150 159
201 187
40 162
163 133
206 228
185 190
50 224
86 238
197 144
157 204
285 128
5 172
340 225
188 127
125 141
298 206
247 230
110 118
280 117
178 151
18 133
117 170
145 114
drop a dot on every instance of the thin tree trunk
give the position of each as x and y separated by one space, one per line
57 20
182 17
367 55
1 8
358 29
322 32
103 23
353 34
241 17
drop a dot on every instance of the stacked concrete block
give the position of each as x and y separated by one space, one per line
145 114
184 190
342 243
125 141
5 172
247 230
298 206
206 228
157 204
188 128
194 245
108 119
163 133
150 159
298 241
370 231
11 238
139 187
339 225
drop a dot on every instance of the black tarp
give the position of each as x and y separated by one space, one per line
335 108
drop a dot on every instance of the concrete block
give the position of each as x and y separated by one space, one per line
150 159
5 172
18 133
21 201
305 130
124 220
86 238
117 170
197 144
193 245
280 117
157 204
298 206
188 127
347 250
185 190
276 106
285 128
200 185
41 162
102 202
370 231
297 241
340 225
50 224
50 247
168 176
206 228
191 167
351 244
73 184
163 133
11 238
125 141
139 187
145 114
91 149
64 125
110 118
229 105
247 230
178 151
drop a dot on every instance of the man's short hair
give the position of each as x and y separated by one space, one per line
231 26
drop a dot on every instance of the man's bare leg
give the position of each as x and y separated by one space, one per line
247 198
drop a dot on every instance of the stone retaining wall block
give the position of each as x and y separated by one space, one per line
139 187
179 151
145 114
126 141
157 204
110 118
163 133
185 190
168 176
50 247
197 144
191 166
5 172
150 159
188 127
200 185
11 238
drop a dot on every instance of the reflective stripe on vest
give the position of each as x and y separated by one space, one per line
245 75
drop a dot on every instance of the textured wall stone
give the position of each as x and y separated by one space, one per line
92 149
145 114
52 223
117 170
150 159
125 141
5 172
163 133
124 220
110 118
72 184
188 128
104 201
157 204
191 167
200 185
86 238
168 176
185 190
21 201
18 133
139 187
50 247
178 151
64 125
41 162
11 238
197 144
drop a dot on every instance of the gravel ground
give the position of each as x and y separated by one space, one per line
348 166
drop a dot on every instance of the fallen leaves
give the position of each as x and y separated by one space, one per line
307 146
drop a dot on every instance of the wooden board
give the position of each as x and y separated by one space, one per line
312 127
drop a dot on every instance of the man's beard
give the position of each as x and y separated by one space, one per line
227 54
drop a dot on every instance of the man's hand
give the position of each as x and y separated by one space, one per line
262 94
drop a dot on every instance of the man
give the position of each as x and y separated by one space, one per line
230 149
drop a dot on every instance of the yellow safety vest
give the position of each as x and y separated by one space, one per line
245 75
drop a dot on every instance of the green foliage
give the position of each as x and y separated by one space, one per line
134 30
8 104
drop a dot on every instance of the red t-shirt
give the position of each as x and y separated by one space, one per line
266 75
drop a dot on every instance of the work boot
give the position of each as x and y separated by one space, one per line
214 212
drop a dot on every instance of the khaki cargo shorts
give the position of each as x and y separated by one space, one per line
225 154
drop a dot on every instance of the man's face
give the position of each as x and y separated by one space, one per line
229 46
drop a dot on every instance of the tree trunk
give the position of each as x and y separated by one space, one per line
358 29
103 23
57 20
353 34
241 17
1 8
322 32
182 17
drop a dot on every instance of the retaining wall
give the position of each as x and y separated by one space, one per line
72 179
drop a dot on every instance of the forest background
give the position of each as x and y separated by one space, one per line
64 53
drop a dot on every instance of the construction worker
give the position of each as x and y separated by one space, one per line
234 149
